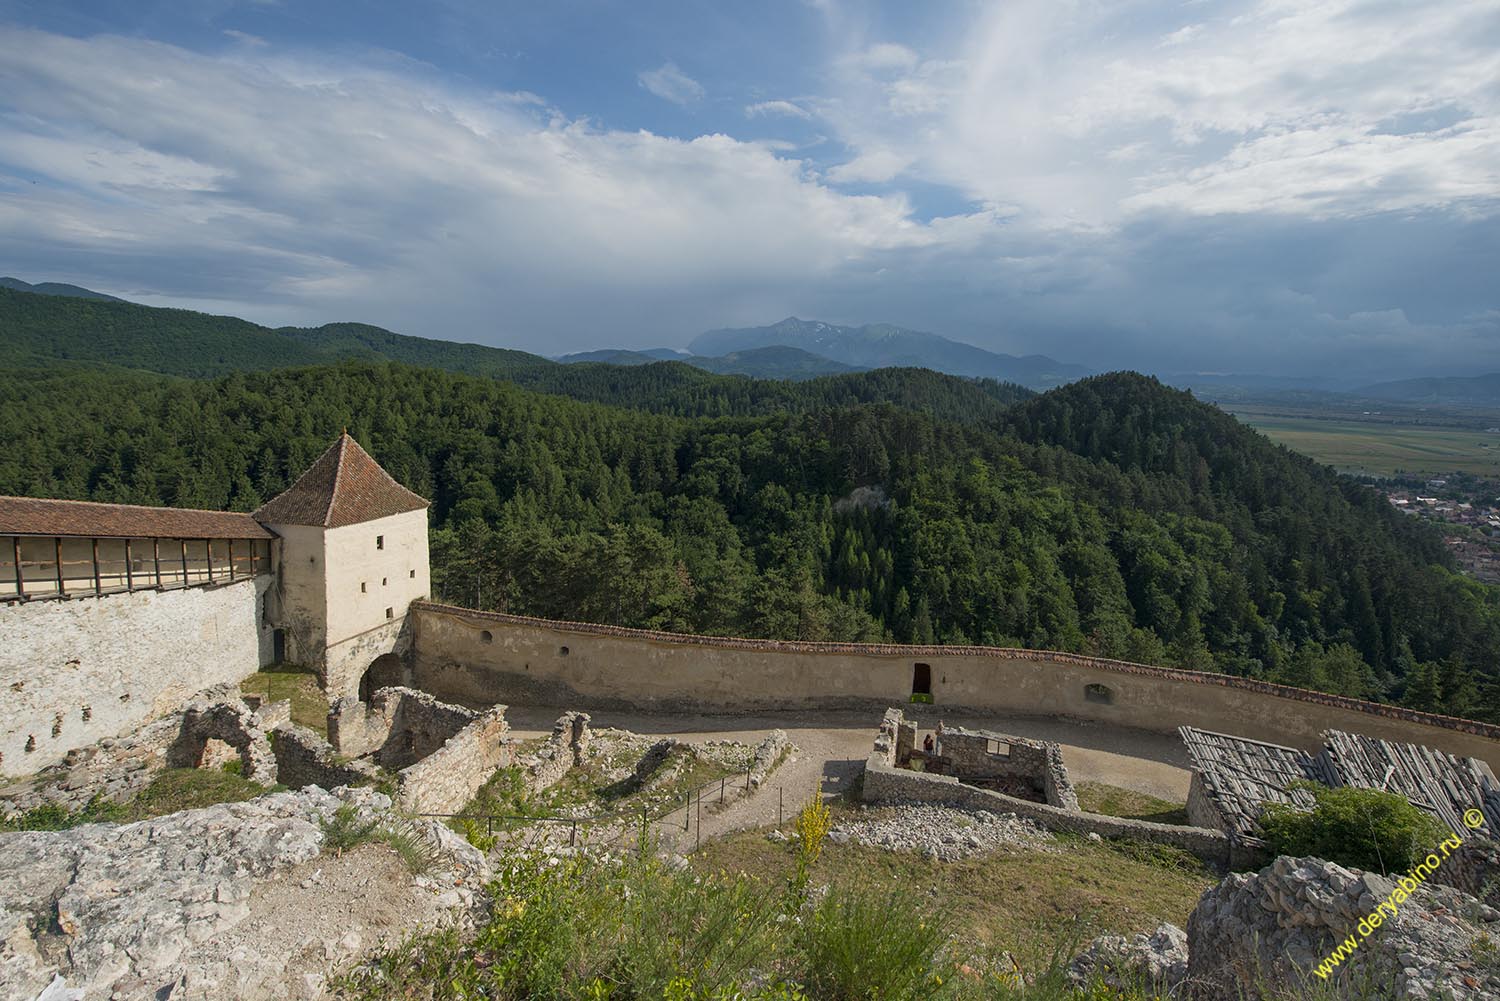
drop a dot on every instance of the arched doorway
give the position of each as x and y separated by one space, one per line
384 671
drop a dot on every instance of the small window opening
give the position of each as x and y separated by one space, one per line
362 589
1098 693
487 637
562 651
921 679
412 575
998 748
379 542
384 581
390 613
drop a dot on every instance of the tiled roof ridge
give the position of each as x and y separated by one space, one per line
112 504
343 486
1489 731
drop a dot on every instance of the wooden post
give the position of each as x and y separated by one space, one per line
156 559
129 570
20 578
231 559
57 551
208 558
184 562
98 587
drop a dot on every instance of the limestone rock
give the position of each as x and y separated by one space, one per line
1158 961
139 909
1276 926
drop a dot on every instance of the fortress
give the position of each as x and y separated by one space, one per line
112 615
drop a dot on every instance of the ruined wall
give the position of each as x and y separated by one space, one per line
75 671
563 751
445 780
303 759
884 783
399 726
536 660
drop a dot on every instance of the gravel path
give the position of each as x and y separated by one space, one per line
832 747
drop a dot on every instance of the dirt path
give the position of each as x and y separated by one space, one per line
833 745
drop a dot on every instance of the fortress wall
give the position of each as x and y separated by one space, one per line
524 660
75 671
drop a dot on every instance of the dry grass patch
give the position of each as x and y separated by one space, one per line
288 681
1113 801
1023 900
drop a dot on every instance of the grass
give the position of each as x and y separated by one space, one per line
1021 900
171 790
300 684
1381 449
1112 801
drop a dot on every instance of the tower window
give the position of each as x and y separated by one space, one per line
390 613
379 542
413 575
362 588
384 581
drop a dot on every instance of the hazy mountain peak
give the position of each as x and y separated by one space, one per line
885 345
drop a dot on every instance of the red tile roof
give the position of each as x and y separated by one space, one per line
344 487
40 516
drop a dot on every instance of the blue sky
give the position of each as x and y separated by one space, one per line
1280 186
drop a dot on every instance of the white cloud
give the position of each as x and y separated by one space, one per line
351 191
1073 112
784 109
671 84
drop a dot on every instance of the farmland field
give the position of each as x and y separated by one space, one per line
1382 449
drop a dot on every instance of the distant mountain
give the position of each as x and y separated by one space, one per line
881 345
1457 390
43 331
612 356
56 288
774 362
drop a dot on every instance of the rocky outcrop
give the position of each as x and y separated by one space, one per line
231 901
1158 961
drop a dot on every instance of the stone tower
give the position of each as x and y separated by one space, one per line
353 557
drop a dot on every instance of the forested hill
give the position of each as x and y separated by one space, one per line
1114 516
39 330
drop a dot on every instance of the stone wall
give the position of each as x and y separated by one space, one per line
885 783
479 658
563 751
447 779
399 726
305 759
967 755
79 670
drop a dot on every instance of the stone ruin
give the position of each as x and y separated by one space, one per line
437 755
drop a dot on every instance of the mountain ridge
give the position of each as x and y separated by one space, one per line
882 345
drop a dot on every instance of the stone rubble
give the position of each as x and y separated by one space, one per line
938 832
148 910
1158 961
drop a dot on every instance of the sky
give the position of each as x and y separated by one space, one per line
1292 187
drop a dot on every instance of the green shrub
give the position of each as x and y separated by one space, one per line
1360 828
345 830
864 945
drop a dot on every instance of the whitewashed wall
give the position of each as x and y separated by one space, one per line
78 670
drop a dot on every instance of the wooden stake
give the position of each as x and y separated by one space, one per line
98 587
129 570
20 578
184 562
156 559
57 551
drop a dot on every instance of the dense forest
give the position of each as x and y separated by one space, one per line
1112 516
